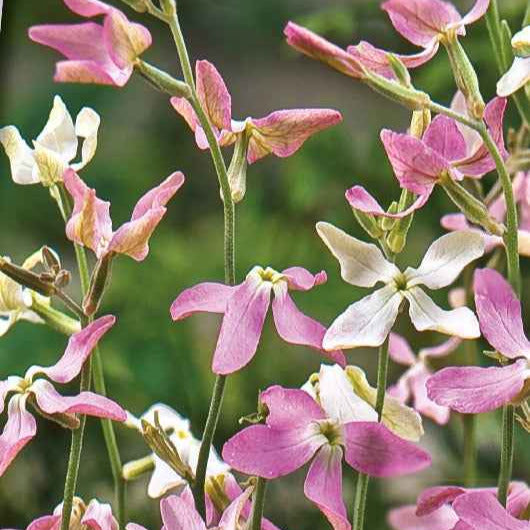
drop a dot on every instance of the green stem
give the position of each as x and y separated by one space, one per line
54 318
359 507
258 503
505 472
470 449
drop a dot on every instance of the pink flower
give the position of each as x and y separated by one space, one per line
411 385
91 226
298 430
96 53
473 389
497 210
245 307
41 394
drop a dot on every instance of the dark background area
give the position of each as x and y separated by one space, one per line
142 140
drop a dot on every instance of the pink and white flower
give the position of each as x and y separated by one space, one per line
518 74
40 393
245 307
96 53
368 321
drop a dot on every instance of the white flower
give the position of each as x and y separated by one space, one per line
519 73
55 147
368 321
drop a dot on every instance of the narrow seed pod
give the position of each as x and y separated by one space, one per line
401 71
162 80
136 468
98 284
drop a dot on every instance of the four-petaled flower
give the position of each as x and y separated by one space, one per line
368 321
298 428
474 389
95 53
55 147
245 307
41 394
90 224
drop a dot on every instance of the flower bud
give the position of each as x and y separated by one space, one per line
368 223
419 122
136 468
237 171
397 238
399 69
98 284
387 223
162 80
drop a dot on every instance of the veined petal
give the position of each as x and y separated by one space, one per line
361 264
499 313
477 11
46 522
445 259
432 499
98 516
20 428
400 351
426 315
323 486
88 8
91 72
234 512
518 498
405 518
300 279
418 377
366 322
515 78
440 350
213 94
184 108
20 156
206 297
444 136
177 514
372 449
86 127
473 389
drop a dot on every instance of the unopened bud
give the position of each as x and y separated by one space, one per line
399 69
368 223
237 171
98 284
27 278
137 468
162 80
419 122
387 223
397 238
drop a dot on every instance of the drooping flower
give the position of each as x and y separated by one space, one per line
95 53
55 147
411 385
91 226
245 307
519 73
435 508
368 321
474 389
40 393
298 429
281 133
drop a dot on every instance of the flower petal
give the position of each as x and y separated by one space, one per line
23 169
400 351
473 389
366 322
426 315
441 350
230 519
499 313
477 11
432 499
86 127
99 516
300 279
242 325
163 479
515 78
20 428
88 8
445 259
444 136
47 522
323 486
371 448
177 514
418 377
91 72
206 297
518 498
361 264
405 518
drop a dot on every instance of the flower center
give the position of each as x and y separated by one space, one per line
270 275
401 282
332 431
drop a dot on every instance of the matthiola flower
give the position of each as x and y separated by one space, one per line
96 53
245 307
411 385
368 321
281 133
299 430
519 73
473 389
164 478
55 147
497 210
436 508
35 390
91 226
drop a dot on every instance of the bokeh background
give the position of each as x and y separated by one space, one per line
147 357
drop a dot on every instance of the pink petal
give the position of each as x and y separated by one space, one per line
373 449
323 486
473 389
214 95
206 297
99 516
242 324
518 498
231 517
47 522
425 406
315 46
89 72
20 428
400 351
477 11
499 313
458 221
178 514
134 526
416 166
88 403
421 21
90 224
441 350
79 348
184 108
432 499
283 132
88 8
405 518
482 511
360 199
301 279
296 328
444 137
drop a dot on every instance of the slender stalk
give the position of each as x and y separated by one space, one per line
258 502
505 472
54 318
359 507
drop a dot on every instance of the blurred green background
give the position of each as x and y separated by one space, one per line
147 357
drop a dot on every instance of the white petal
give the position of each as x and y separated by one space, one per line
426 315
163 479
515 78
20 156
6 322
86 126
366 322
168 418
446 258
339 400
51 166
58 134
361 263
